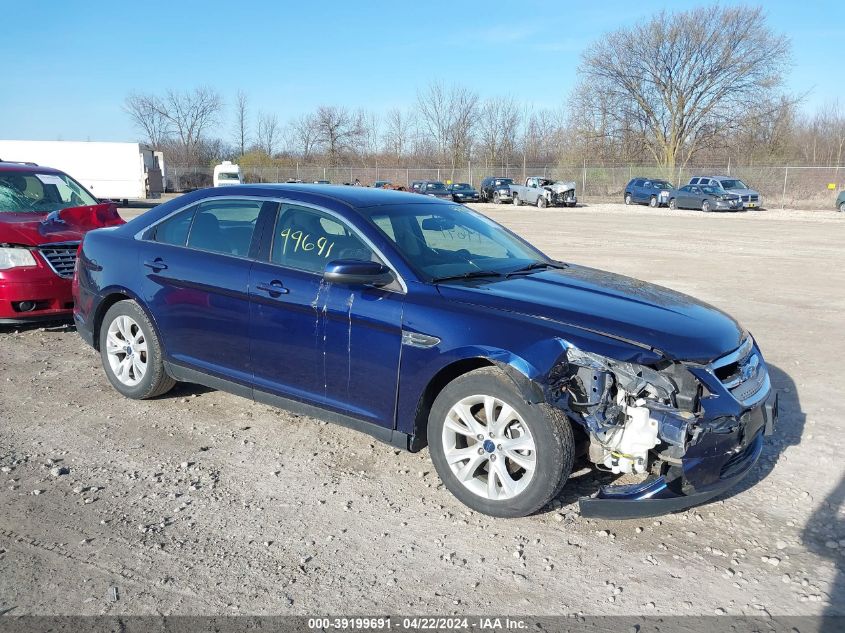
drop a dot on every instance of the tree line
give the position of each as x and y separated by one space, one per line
678 88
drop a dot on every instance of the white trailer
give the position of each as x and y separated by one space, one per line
120 171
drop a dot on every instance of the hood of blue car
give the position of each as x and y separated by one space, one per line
680 326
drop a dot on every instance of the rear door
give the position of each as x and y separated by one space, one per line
637 190
196 274
682 197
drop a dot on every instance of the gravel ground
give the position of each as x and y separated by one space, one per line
204 503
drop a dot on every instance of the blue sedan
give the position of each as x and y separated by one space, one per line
422 322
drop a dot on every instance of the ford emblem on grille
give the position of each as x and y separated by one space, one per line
749 368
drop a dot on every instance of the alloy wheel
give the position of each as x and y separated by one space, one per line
126 348
489 448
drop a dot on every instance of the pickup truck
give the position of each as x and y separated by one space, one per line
544 192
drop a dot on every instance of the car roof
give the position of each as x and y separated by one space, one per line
29 168
357 197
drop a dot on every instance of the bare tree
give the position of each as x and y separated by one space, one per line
498 124
268 133
463 109
301 136
146 115
680 78
448 116
397 133
241 123
338 131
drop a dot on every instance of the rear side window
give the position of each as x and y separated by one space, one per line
693 181
224 226
175 230
638 182
308 239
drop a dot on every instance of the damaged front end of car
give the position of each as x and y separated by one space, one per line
685 431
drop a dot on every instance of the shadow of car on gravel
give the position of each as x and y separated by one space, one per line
824 528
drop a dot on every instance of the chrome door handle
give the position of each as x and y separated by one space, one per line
273 288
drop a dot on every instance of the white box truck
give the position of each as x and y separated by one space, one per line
119 171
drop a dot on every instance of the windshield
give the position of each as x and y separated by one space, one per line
714 190
733 184
40 193
461 186
435 186
227 175
503 181
447 240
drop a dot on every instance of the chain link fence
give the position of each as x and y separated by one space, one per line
780 187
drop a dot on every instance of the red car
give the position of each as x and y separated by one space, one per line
43 215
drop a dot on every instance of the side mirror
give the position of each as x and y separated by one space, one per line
357 272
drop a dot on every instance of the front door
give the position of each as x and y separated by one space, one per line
323 344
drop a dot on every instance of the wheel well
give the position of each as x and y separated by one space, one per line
104 306
435 386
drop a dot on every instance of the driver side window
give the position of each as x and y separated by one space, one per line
308 239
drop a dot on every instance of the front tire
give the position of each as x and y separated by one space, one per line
495 452
705 206
842 208
496 198
131 353
673 204
541 202
653 202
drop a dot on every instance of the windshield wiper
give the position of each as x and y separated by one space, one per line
536 266
467 275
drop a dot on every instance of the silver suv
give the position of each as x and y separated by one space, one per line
751 199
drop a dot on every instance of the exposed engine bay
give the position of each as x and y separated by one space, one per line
628 410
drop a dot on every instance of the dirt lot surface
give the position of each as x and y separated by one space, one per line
202 502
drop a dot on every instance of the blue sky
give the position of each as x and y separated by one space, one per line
69 63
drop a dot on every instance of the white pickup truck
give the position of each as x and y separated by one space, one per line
544 192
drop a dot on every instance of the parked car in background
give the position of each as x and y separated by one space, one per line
420 321
322 182
496 189
43 215
434 188
463 192
751 199
380 184
544 192
840 201
227 173
651 191
704 197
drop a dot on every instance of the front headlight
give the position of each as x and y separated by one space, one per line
15 258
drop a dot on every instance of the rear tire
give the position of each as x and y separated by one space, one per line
516 201
131 353
465 449
842 208
628 199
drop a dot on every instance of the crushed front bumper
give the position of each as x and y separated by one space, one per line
712 466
